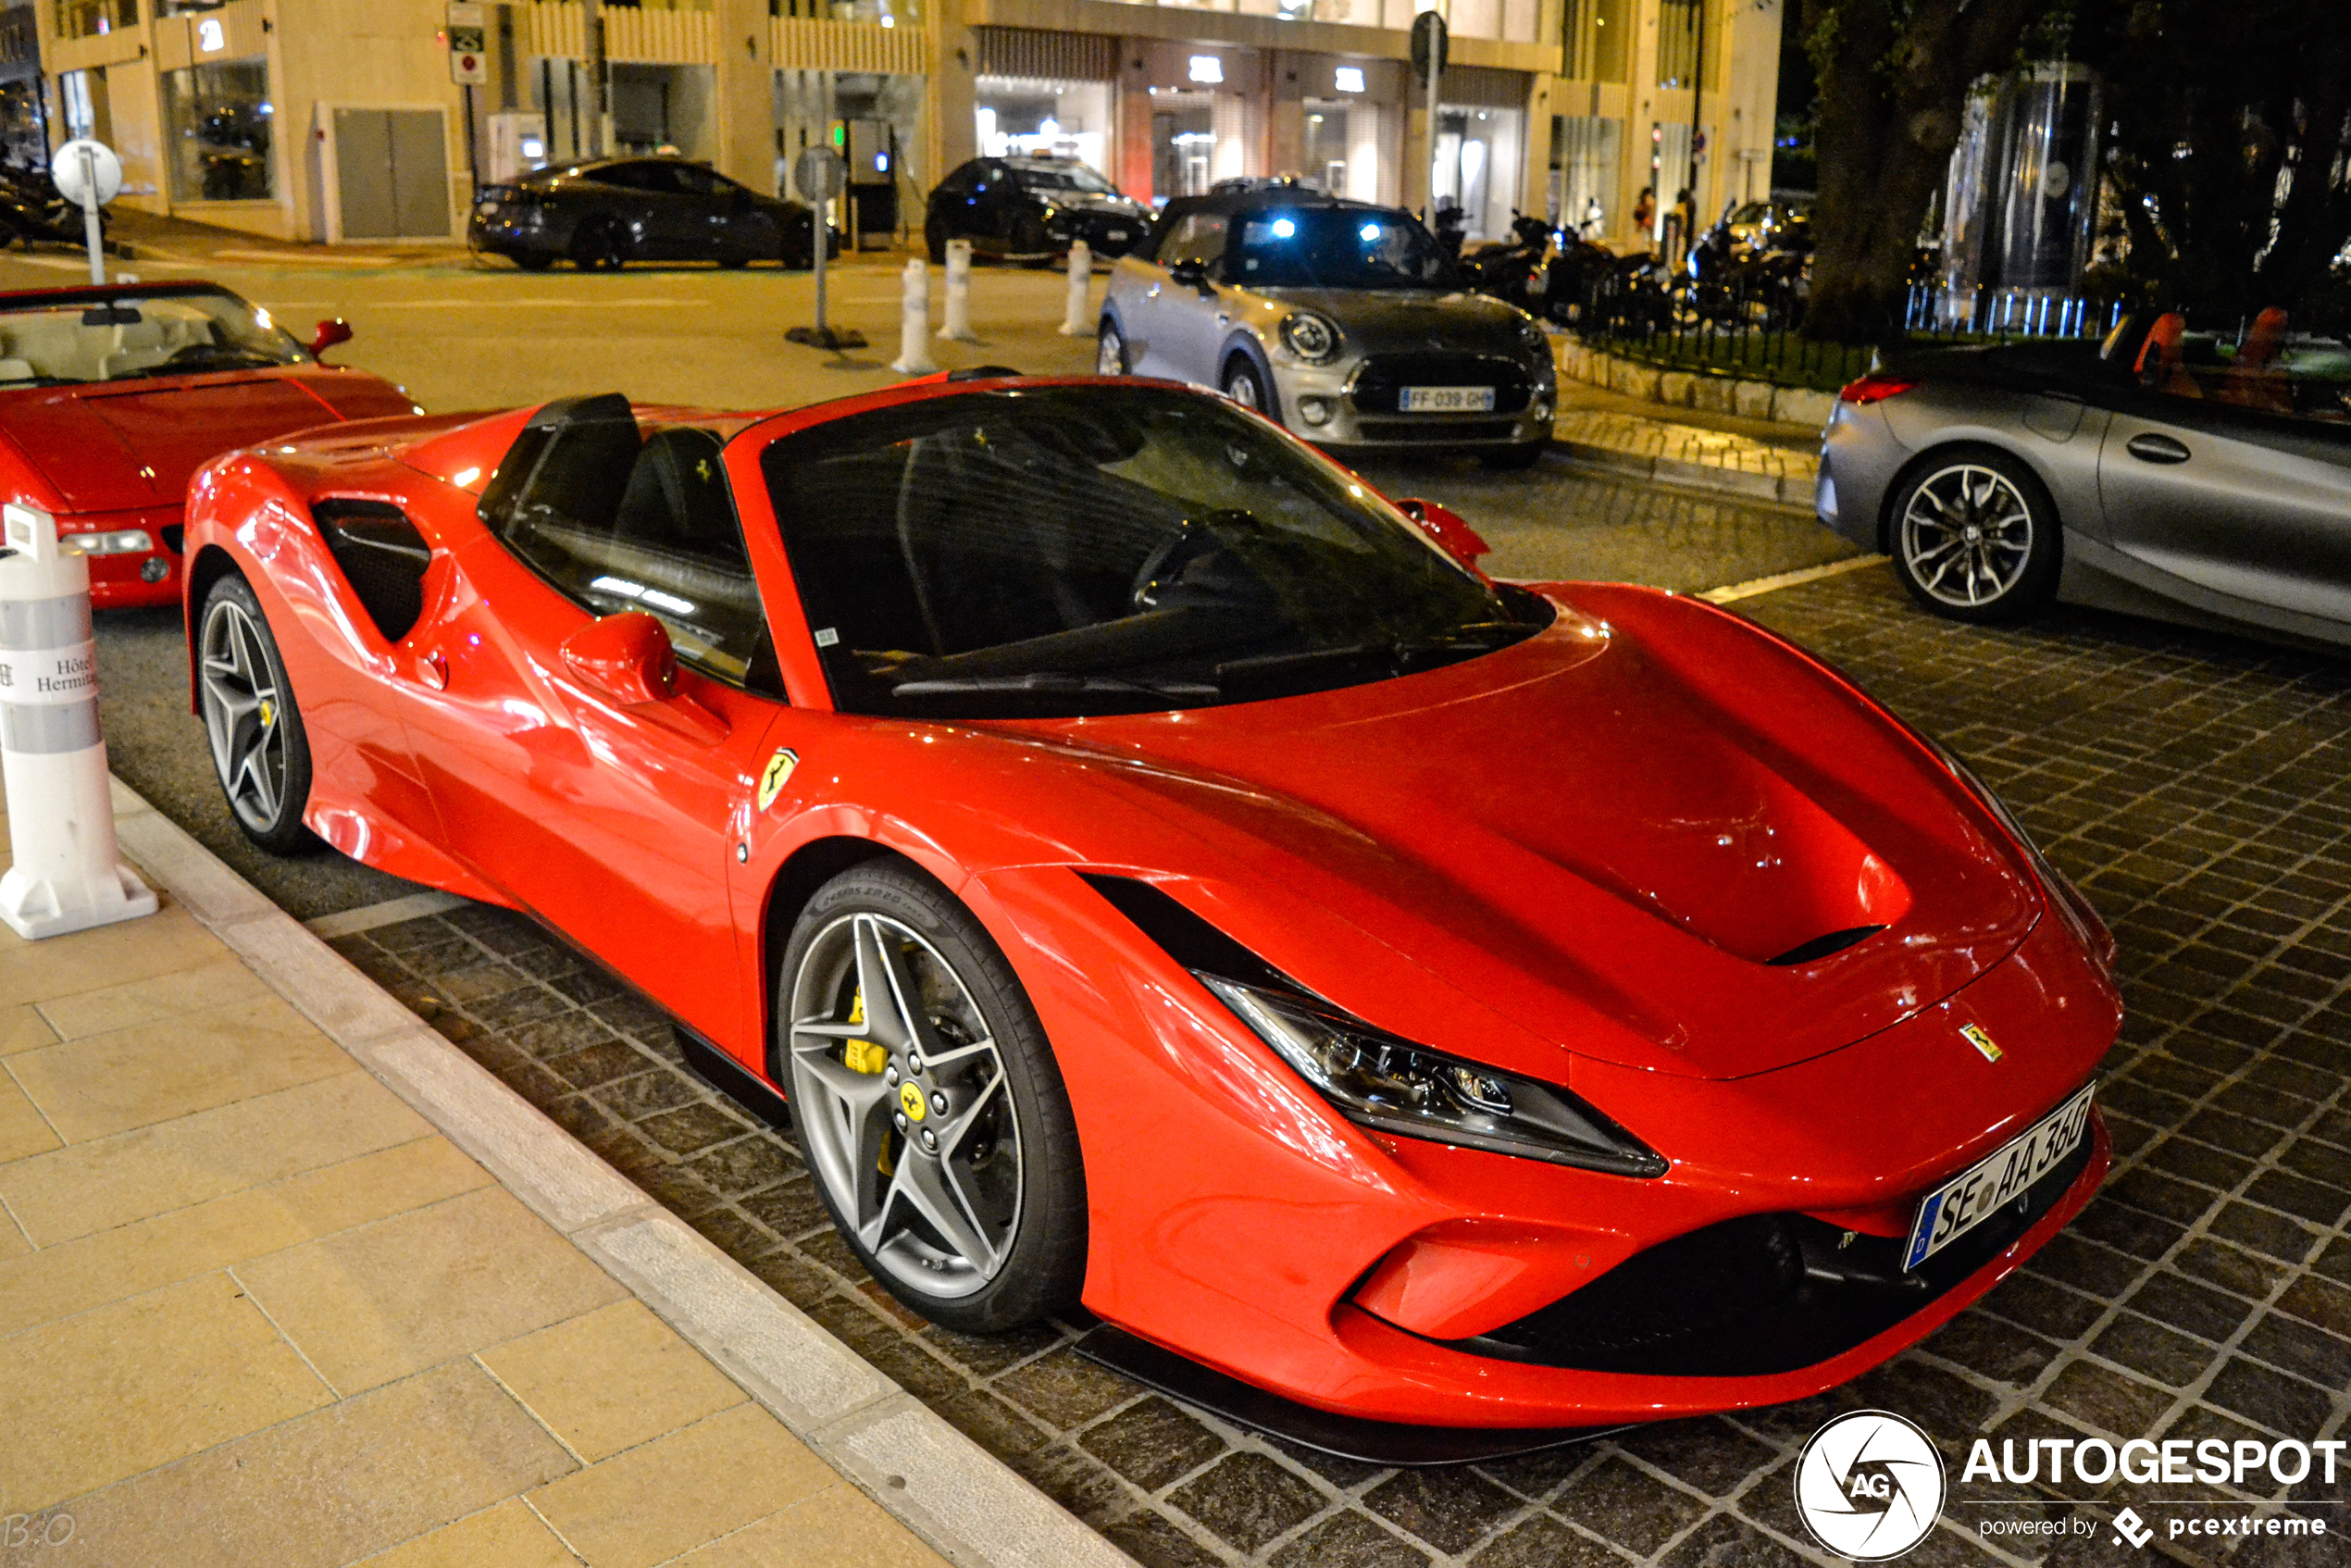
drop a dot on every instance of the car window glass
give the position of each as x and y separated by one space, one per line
693 180
1337 248
1198 236
134 335
1063 177
627 176
617 521
961 182
1003 553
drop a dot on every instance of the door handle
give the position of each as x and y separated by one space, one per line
2149 447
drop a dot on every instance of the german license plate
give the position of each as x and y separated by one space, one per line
1975 1195
1444 400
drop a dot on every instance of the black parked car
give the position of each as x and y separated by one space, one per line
1032 209
606 211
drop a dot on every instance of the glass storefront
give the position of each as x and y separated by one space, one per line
1586 172
1476 166
217 121
1017 116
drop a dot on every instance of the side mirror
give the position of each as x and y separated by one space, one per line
330 333
1445 526
1191 272
626 657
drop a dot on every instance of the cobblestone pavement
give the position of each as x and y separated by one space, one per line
2198 788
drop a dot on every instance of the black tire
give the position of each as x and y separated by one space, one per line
1513 458
735 261
260 752
1041 1258
533 261
1245 384
596 246
1978 513
1110 351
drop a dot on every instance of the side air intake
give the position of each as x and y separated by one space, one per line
382 556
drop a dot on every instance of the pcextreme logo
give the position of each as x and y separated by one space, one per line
1869 1485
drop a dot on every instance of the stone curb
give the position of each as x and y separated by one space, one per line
970 1506
1684 388
1790 490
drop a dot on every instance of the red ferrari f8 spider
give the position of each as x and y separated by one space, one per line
110 397
1160 875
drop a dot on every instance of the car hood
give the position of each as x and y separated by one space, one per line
1591 840
1412 320
134 443
1104 207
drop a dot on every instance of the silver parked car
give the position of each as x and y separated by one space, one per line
1343 321
2168 473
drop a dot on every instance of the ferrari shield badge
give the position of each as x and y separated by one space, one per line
910 1100
1975 1036
776 774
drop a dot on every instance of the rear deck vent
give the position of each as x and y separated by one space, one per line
1821 947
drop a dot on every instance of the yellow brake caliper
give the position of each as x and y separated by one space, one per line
867 1056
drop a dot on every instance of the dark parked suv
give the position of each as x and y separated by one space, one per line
1032 209
601 212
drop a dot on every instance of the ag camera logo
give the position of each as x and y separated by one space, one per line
1869 1485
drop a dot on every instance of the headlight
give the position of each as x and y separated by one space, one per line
1309 336
1376 1080
117 542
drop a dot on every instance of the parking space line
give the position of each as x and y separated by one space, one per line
415 906
1754 585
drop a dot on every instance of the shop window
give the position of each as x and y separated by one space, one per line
1677 42
88 18
83 94
217 120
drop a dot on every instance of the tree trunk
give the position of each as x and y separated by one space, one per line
1891 92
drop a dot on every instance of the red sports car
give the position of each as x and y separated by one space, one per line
1160 875
110 397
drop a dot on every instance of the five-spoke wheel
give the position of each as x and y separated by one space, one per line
927 1104
259 750
1975 537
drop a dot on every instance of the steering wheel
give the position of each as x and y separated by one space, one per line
1194 539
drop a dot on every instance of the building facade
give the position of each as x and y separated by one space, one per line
337 120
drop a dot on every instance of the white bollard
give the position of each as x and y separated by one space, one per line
914 326
67 874
957 328
1078 322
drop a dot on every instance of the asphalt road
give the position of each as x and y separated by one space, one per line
462 337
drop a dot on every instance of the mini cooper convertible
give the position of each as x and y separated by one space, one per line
1160 875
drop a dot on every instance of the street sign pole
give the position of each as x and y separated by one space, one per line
820 174
88 174
1428 58
89 233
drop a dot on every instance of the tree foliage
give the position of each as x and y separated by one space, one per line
2230 156
1894 78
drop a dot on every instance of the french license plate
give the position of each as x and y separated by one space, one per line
1444 400
1975 1195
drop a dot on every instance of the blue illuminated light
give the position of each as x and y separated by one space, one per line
1284 229
1370 231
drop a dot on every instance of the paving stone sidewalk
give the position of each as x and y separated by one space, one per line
2199 788
254 1310
1749 457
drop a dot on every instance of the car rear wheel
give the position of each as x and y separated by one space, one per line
1246 387
927 1105
596 246
1975 537
1110 352
533 261
259 752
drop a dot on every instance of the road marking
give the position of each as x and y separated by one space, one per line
302 258
1790 580
415 906
528 302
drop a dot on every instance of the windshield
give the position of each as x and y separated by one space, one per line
1066 549
1063 177
1334 248
128 336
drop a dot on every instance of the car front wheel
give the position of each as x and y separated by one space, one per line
1975 537
259 751
1245 386
1110 351
927 1102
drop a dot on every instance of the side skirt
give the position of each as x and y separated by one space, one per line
732 1079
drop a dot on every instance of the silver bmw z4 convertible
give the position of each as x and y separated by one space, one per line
1342 321
2192 476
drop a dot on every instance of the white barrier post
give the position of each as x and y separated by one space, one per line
913 327
67 874
957 328
1078 321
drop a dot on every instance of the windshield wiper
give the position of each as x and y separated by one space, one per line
1050 683
1402 654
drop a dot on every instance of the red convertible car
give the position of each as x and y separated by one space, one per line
1160 876
110 397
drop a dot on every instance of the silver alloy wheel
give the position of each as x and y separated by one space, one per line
1241 385
1110 353
917 1143
1967 535
242 713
